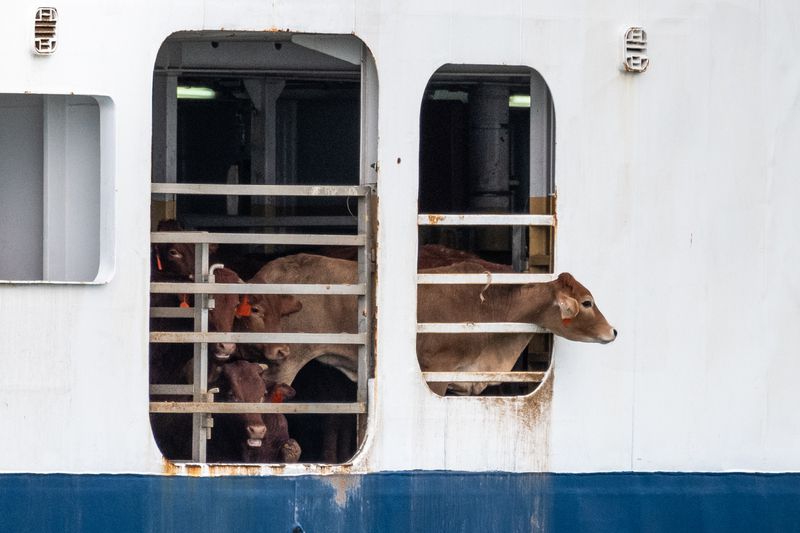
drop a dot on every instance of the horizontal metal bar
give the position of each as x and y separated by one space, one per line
483 278
234 408
171 312
485 220
185 337
256 238
231 221
282 74
259 190
255 288
171 389
479 377
479 327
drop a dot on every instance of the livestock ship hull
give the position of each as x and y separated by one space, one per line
403 501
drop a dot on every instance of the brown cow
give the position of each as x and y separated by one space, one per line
562 306
320 314
251 437
436 255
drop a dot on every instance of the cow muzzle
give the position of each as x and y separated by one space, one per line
278 352
608 336
224 350
255 435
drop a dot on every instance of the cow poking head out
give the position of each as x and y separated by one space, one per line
562 306
250 437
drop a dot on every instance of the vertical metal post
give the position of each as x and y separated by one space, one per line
200 362
368 173
365 311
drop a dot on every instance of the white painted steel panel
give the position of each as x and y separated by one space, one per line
676 207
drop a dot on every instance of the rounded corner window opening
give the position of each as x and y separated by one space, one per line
247 251
56 188
486 227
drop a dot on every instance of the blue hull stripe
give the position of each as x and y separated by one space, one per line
402 501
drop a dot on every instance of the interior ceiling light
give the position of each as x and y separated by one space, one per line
196 93
519 100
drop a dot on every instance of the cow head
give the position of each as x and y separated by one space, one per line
264 315
221 318
176 259
573 313
242 381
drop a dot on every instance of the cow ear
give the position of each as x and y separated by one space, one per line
569 306
566 279
290 305
286 390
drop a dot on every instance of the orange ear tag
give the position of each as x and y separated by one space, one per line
277 397
184 301
566 321
158 263
243 309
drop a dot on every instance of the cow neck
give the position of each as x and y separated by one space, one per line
530 302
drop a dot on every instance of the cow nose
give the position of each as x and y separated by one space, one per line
278 353
256 431
223 350
615 332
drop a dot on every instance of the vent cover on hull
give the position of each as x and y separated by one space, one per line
44 33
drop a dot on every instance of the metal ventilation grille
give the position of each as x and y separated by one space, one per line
635 50
44 33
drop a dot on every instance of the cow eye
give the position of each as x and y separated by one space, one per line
255 309
587 303
175 253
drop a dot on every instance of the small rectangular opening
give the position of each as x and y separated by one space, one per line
55 188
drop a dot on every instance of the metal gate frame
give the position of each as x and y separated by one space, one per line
485 278
202 406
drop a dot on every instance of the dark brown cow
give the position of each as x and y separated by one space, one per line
562 306
436 255
175 259
251 437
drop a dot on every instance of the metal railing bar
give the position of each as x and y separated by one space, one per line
258 190
479 377
483 278
232 221
431 219
479 327
171 312
255 238
255 288
240 408
172 389
186 337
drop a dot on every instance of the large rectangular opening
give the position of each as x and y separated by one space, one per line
262 219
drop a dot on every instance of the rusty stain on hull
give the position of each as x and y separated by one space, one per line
229 469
